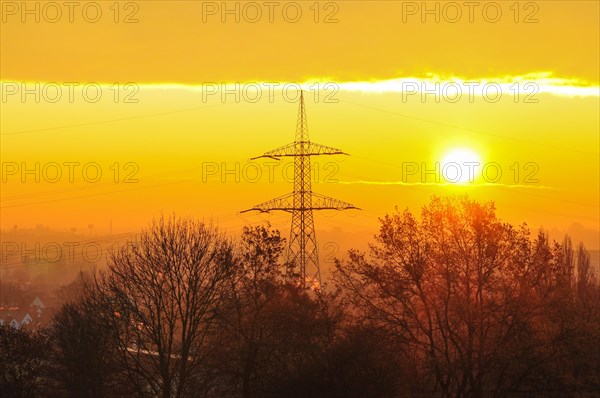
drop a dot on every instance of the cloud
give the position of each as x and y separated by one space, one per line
442 184
447 86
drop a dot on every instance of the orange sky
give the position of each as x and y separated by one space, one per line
370 40
175 129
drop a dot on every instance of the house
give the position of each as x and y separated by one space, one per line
33 317
27 319
17 317
37 306
16 320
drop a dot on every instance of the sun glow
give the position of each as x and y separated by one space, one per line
459 166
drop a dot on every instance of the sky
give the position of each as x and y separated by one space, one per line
114 113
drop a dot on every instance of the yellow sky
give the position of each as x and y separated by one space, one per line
177 131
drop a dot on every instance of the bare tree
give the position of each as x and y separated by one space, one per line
160 295
85 355
23 362
274 334
246 318
461 290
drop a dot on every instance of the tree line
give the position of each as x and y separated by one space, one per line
452 303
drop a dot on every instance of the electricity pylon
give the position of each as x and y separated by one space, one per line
303 250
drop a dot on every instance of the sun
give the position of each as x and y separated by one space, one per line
459 166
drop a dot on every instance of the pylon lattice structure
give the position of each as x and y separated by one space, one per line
303 250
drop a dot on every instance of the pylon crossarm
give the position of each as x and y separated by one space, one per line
286 203
318 149
322 202
283 203
293 149
265 156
